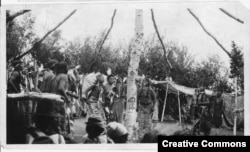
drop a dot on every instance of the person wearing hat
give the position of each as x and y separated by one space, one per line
48 75
96 131
117 132
94 96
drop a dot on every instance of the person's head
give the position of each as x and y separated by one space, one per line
117 132
150 137
100 79
196 91
218 92
202 90
111 79
61 67
146 82
51 64
95 126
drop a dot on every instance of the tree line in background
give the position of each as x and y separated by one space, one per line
186 71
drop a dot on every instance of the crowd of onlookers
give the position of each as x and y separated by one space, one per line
105 102
105 105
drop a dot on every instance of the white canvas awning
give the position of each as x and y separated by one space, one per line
174 88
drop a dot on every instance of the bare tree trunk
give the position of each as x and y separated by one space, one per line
159 37
104 39
209 34
230 15
49 32
137 47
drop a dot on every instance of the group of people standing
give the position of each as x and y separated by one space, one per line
106 102
207 108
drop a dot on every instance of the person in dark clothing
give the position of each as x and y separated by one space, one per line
217 109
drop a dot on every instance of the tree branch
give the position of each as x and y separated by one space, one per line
104 39
208 33
12 17
230 15
163 46
49 32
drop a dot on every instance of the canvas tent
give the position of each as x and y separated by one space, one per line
228 101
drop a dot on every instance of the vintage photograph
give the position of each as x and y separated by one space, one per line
124 73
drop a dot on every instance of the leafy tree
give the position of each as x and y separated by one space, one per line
49 49
20 35
237 65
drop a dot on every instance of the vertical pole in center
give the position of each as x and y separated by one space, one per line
137 48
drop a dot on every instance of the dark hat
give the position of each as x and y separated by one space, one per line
96 121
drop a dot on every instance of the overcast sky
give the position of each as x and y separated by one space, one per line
173 20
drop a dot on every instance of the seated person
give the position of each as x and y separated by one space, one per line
46 132
117 132
96 131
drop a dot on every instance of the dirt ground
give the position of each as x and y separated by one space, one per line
165 127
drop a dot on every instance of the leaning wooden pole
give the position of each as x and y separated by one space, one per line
235 114
104 39
208 33
43 38
232 16
159 37
137 48
164 105
179 105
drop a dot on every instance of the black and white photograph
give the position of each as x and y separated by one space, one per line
123 73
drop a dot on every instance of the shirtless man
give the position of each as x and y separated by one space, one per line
48 75
59 84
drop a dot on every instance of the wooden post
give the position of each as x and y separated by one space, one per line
235 114
164 106
137 47
179 104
